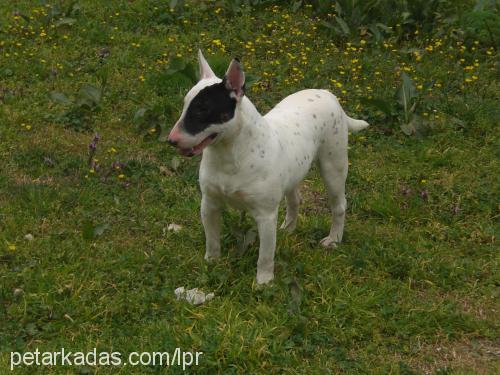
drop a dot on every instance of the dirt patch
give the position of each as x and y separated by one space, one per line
27 180
479 356
481 307
313 201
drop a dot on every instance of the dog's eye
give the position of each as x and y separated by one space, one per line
225 117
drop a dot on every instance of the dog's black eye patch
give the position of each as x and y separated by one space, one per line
212 105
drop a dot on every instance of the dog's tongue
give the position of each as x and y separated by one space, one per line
196 150
186 152
199 147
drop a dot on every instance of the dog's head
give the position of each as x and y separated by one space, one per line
209 108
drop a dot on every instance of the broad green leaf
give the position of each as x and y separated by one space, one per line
53 12
176 4
296 5
417 125
25 17
380 104
90 91
376 33
165 131
405 15
326 24
383 27
408 129
190 72
180 70
295 297
338 8
72 8
295 291
323 5
410 50
176 64
343 25
89 95
91 231
175 163
139 115
59 97
250 79
405 94
99 229
488 5
65 21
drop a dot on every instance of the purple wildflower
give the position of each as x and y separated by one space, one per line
117 165
93 165
92 149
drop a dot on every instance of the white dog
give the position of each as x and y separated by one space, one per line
250 161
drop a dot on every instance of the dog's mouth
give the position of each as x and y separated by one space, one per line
196 150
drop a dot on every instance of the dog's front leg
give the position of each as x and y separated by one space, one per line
211 219
266 224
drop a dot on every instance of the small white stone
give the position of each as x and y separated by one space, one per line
193 296
29 237
179 292
174 227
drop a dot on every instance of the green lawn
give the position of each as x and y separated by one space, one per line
87 261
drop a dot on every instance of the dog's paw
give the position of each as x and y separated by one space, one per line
263 287
212 257
264 277
328 242
289 225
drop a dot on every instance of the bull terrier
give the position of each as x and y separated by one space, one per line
251 161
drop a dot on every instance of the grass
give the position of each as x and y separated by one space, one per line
412 289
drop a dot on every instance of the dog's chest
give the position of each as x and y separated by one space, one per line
232 191
248 186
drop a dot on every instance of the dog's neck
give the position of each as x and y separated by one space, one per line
248 129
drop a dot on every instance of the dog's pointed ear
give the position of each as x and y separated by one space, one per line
205 70
235 79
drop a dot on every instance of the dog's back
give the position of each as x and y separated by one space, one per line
307 122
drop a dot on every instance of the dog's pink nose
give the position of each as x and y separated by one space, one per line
174 136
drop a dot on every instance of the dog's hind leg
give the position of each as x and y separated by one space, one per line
333 168
292 210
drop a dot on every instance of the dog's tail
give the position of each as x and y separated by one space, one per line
355 125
